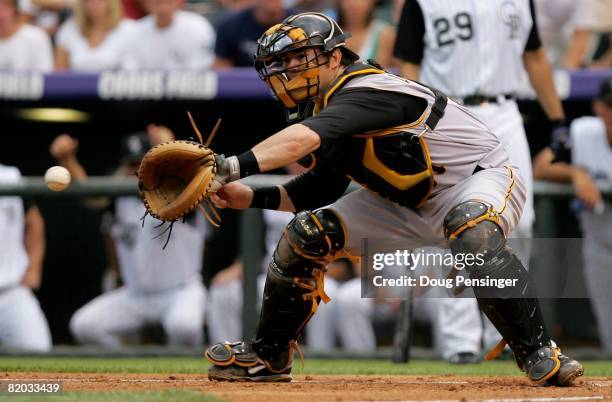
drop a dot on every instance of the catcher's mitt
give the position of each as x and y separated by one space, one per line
177 176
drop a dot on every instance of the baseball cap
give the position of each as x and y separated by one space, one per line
605 91
134 146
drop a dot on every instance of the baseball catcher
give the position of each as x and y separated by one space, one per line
429 169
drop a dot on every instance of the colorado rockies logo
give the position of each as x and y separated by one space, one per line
511 18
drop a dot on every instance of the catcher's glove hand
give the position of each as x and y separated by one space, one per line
177 176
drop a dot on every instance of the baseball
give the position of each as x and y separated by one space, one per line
57 178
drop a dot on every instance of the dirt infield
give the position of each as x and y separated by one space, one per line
337 388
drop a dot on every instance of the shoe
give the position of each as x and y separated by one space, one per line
257 373
548 366
238 362
570 370
464 358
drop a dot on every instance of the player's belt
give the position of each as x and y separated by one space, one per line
474 100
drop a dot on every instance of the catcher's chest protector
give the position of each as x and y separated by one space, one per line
393 162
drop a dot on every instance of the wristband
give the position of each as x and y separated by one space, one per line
234 168
248 164
266 198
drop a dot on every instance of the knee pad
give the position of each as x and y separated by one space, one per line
472 228
467 215
309 241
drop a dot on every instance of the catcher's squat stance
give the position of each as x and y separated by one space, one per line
429 168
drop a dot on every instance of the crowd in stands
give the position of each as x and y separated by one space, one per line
96 35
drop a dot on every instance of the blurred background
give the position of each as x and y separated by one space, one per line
92 84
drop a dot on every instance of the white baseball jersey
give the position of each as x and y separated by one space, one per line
187 43
27 49
13 256
82 57
592 151
144 265
459 50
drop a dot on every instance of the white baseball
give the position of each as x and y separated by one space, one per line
57 178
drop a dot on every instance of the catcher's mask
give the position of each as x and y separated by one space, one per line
292 39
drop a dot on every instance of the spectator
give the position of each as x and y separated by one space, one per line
22 46
326 7
566 28
46 14
162 286
93 39
170 38
22 323
371 38
235 5
134 9
603 54
591 163
238 33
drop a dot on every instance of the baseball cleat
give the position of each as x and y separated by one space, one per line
570 370
542 364
548 366
237 361
257 373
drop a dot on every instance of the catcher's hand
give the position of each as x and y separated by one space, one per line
228 169
233 195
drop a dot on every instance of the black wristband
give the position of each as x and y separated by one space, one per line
248 164
266 198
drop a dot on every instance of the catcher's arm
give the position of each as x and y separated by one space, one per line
281 149
315 188
285 147
237 195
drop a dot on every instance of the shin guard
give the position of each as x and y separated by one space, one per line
294 282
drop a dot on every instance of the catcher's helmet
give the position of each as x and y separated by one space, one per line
298 33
